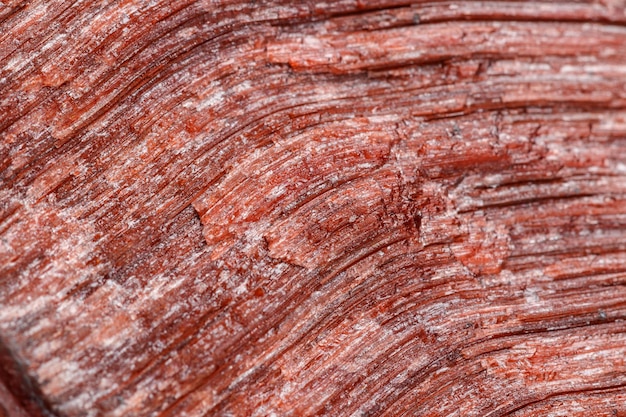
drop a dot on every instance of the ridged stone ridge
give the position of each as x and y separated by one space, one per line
304 208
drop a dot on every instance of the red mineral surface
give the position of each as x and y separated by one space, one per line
304 208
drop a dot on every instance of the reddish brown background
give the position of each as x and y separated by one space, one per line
290 208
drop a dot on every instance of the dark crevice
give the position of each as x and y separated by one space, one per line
537 400
22 387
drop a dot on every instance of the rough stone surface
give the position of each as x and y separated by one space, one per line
294 208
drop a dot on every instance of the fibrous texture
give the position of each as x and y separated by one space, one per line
294 208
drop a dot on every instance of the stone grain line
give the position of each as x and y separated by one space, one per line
343 208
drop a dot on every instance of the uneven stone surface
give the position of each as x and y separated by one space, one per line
294 208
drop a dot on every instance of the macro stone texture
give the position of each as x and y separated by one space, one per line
299 208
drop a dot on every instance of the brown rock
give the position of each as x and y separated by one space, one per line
276 208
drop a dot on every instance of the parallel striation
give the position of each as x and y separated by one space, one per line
274 208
